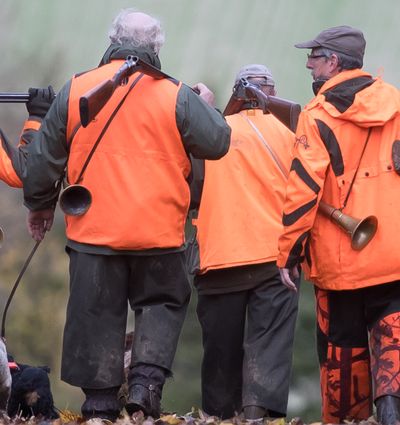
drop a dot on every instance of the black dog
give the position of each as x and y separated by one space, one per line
30 392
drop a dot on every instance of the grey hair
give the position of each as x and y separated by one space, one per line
149 36
344 61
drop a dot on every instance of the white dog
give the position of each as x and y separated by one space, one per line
5 377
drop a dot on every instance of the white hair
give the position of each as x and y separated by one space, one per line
136 29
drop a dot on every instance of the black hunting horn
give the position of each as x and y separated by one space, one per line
75 199
361 231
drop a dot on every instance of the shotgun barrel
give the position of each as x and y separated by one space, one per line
14 97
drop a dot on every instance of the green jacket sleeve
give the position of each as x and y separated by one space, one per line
204 131
46 156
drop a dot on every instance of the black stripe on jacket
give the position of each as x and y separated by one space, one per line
295 253
332 146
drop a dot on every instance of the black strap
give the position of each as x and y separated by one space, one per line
358 166
106 127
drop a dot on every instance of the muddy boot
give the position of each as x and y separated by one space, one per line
146 382
101 403
388 410
144 398
254 414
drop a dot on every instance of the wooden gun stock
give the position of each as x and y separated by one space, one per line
92 102
284 110
233 106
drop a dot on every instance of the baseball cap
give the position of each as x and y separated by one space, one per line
255 70
341 39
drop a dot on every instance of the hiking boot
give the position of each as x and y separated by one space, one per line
388 410
144 398
101 403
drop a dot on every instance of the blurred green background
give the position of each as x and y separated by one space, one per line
46 41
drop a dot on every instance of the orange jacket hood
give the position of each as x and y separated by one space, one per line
357 97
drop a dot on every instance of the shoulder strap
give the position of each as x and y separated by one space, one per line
103 131
274 156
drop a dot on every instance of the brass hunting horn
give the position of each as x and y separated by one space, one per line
361 231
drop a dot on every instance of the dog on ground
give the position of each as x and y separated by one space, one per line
24 390
30 392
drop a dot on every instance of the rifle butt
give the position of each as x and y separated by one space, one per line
93 101
285 111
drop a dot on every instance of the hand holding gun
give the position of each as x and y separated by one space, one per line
27 97
285 110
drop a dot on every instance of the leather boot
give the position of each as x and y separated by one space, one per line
144 398
146 382
388 410
101 403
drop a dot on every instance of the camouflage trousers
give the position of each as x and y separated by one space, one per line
358 341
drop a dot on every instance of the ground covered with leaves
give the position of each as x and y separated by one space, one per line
192 418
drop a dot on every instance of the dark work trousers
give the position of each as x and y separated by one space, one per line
101 286
358 340
247 341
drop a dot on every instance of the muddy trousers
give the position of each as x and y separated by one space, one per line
101 287
358 341
247 341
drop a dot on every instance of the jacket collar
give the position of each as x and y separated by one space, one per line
117 51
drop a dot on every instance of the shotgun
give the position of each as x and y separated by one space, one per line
92 102
14 97
284 110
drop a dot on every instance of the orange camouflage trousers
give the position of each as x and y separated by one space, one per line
358 342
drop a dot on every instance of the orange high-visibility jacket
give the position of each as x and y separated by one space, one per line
137 176
240 214
331 134
8 173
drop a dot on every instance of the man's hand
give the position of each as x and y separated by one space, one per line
40 222
205 93
40 101
288 276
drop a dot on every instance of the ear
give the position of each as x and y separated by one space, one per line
334 62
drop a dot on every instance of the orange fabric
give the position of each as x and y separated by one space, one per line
137 175
385 356
7 172
345 385
239 219
345 376
334 264
31 125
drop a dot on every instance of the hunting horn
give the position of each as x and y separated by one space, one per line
361 231
75 199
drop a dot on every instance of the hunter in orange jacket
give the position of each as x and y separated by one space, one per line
347 155
239 222
127 250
